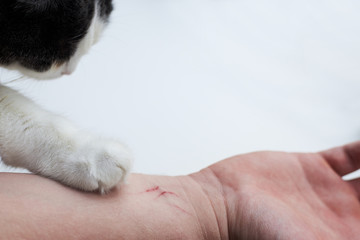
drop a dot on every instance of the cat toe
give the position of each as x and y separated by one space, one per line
111 167
98 165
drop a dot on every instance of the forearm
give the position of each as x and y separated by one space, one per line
150 207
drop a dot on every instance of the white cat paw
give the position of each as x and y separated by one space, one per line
108 164
98 165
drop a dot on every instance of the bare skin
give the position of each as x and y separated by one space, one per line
264 195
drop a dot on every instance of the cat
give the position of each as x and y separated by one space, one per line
45 39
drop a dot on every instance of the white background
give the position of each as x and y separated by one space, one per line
187 83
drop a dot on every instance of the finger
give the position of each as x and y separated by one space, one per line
355 184
343 160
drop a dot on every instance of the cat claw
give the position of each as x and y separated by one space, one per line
108 164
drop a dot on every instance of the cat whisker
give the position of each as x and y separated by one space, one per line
16 80
77 37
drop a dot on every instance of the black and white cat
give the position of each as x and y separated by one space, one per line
45 39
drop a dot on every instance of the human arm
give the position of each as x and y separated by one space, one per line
263 195
150 207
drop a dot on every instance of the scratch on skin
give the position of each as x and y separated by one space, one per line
181 209
163 194
166 192
153 189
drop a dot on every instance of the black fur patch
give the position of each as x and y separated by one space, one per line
106 8
39 33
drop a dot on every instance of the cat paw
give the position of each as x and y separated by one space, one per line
109 164
97 165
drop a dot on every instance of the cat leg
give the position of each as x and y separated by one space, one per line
49 145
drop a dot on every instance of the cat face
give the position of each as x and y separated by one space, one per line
45 39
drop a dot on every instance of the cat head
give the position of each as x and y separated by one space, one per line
45 39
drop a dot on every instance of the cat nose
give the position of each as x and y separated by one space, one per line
67 68
65 72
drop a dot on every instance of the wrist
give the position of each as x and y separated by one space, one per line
213 206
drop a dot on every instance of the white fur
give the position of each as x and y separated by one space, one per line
51 146
92 36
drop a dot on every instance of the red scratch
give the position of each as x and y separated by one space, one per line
153 189
181 209
166 192
163 193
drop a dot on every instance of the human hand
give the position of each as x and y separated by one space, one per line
273 195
